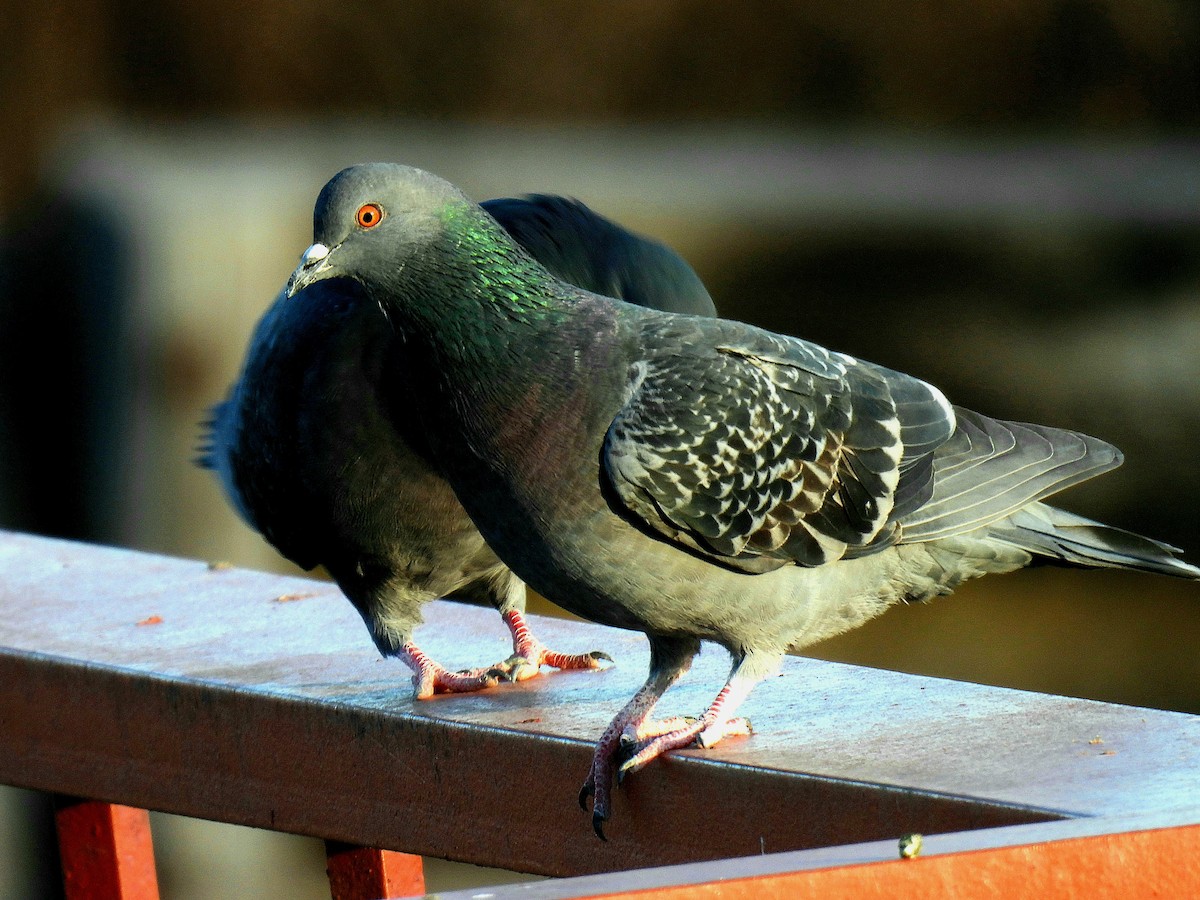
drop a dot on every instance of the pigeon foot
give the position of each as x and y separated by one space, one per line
430 677
629 729
599 789
530 654
702 732
645 740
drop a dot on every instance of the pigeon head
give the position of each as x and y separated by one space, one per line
372 218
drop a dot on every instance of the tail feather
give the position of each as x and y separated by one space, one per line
1067 538
206 447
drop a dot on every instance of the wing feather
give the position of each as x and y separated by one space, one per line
758 451
990 468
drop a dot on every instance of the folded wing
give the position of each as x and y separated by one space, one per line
757 451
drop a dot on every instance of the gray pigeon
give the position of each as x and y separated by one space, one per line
691 478
320 445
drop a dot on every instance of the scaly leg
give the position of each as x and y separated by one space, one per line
530 654
430 677
669 659
643 740
705 732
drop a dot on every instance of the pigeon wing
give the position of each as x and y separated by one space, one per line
586 249
757 451
989 469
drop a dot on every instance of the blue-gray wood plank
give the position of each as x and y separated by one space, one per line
258 699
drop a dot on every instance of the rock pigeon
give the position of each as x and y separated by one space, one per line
692 478
320 447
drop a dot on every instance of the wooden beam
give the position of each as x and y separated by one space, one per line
106 851
259 700
365 873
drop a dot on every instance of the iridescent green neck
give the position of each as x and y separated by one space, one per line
503 273
476 297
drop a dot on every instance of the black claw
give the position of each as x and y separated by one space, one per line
588 790
501 674
626 750
600 654
624 771
598 826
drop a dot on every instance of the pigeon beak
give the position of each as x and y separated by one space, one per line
313 262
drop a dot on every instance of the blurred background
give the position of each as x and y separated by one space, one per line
1001 198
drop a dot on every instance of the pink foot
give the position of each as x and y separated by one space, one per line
665 738
631 732
600 779
629 727
430 677
530 654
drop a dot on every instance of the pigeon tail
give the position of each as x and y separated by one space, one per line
1068 539
209 438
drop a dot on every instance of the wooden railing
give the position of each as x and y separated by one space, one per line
255 699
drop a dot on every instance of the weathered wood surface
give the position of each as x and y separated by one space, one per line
259 700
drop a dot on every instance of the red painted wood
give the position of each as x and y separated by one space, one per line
1127 857
107 852
1164 863
367 873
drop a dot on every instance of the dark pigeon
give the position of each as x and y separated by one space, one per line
691 478
583 248
320 445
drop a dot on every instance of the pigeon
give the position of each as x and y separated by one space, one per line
695 479
319 448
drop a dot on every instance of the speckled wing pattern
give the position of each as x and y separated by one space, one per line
756 450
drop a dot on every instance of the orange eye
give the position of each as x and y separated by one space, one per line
369 215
